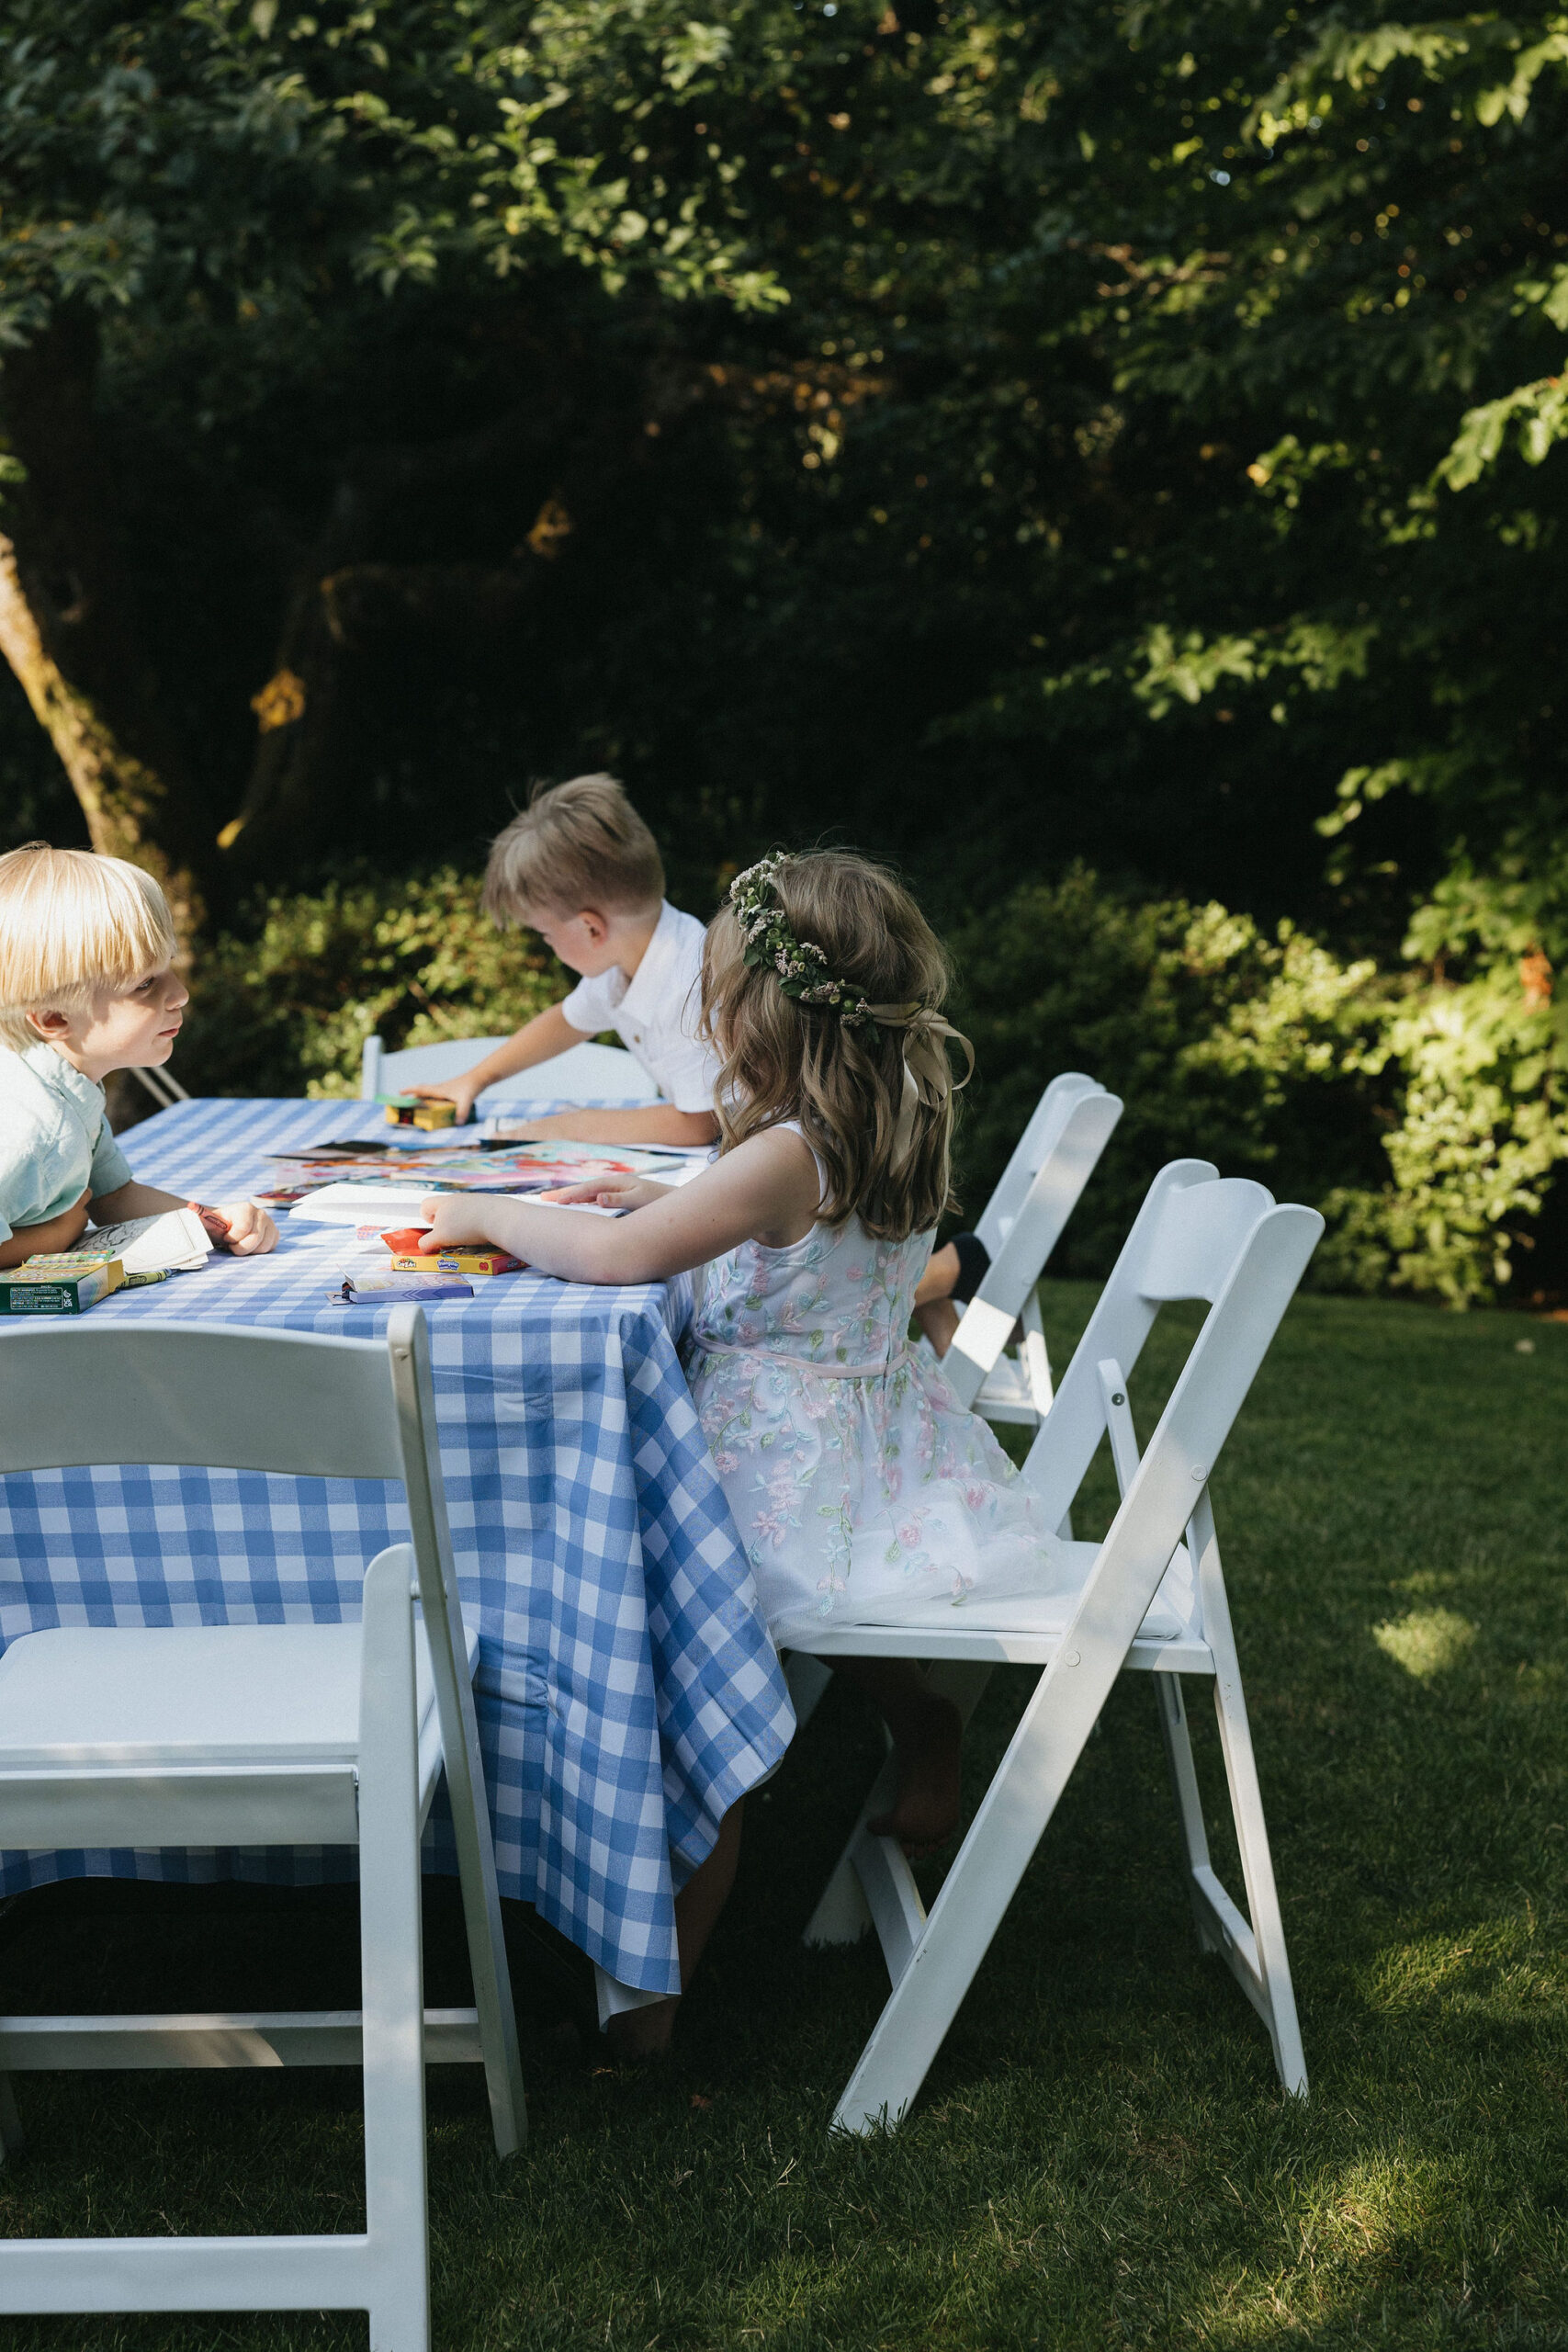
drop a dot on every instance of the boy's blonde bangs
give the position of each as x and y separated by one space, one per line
72 926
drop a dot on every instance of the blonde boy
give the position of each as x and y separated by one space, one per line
87 987
580 868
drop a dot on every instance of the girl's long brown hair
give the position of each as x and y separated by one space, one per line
844 1082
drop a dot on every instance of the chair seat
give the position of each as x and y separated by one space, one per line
232 1696
1006 1396
1024 1631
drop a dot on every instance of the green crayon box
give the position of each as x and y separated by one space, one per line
58 1290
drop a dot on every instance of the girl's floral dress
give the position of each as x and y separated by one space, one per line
861 1489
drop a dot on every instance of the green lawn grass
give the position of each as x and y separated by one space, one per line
1101 2155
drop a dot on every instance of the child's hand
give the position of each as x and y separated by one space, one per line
251 1231
609 1193
454 1217
460 1091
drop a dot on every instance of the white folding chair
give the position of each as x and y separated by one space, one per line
162 1085
1143 1598
605 1074
227 1735
1021 1223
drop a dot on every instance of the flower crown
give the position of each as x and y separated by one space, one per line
800 964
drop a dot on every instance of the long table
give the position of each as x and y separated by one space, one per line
628 1691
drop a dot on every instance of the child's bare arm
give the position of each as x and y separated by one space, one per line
61 1232
538 1040
766 1190
251 1231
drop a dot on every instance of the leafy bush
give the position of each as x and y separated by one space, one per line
1223 1044
1422 1111
1483 1050
284 1004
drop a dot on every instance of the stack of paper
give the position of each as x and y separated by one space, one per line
174 1241
391 1204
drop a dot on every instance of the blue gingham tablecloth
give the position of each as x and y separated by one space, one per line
628 1692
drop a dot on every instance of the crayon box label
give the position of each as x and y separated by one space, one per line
57 1294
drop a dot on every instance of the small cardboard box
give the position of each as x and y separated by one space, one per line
391 1289
459 1261
412 1110
58 1290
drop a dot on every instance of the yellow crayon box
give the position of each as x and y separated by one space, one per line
412 1110
459 1262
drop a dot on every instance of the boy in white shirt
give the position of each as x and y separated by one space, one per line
87 987
580 868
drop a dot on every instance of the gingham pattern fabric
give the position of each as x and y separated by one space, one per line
628 1692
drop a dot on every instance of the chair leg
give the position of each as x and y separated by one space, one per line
1278 2009
1003 1838
1268 1986
1189 1800
11 2138
492 1998
487 1942
392 1969
843 1914
808 1679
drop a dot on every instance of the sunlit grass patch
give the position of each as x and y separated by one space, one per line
1427 1642
1344 2229
1504 1966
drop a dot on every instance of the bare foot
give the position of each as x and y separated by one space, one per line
925 1812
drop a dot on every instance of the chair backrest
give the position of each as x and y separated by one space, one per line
1197 1236
300 1403
1065 1138
1033 1147
160 1084
201 1394
606 1074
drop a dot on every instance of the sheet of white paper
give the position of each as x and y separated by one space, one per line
386 1205
583 1208
391 1206
145 1245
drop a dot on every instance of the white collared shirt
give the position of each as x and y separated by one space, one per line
56 1142
655 1012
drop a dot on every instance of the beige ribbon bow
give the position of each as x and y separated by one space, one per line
928 1074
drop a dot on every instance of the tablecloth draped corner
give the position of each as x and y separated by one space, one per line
628 1692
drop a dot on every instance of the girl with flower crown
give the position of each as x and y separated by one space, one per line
862 1490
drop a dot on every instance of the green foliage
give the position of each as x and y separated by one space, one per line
211 156
1224 1044
284 1005
1423 1116
1483 1048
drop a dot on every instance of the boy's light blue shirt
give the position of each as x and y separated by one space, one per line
56 1142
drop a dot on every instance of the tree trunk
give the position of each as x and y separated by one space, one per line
68 630
338 599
